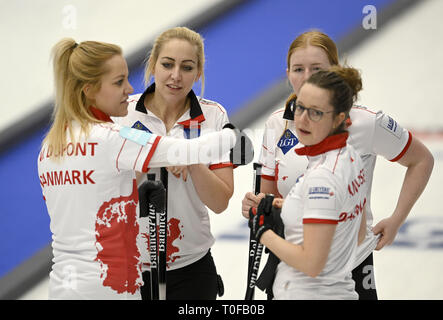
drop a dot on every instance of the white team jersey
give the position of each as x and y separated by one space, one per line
331 191
189 234
370 133
92 201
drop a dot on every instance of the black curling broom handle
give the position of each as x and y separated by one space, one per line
162 243
255 248
152 216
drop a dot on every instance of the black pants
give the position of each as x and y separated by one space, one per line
364 278
198 281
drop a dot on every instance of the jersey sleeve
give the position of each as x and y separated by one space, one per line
323 198
132 149
390 139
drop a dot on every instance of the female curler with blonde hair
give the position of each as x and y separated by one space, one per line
87 167
170 107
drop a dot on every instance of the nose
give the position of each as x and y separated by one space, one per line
304 116
129 89
175 75
307 74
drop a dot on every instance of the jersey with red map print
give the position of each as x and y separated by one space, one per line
116 230
173 233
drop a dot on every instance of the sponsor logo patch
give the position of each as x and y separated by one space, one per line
321 197
287 141
391 125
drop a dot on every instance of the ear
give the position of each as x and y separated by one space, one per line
199 74
88 91
338 120
287 73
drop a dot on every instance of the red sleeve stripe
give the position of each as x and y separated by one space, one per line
151 152
321 221
270 178
135 162
220 165
336 160
118 156
404 149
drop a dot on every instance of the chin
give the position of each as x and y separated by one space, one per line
123 112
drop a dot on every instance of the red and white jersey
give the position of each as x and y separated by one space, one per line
92 200
331 191
189 234
370 134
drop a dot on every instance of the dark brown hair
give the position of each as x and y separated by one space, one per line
343 83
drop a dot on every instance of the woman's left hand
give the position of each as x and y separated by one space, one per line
388 228
178 171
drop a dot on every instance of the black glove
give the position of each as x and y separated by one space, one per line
266 279
151 192
243 151
261 219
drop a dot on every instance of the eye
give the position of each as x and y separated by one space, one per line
317 112
299 69
167 65
299 108
119 82
188 68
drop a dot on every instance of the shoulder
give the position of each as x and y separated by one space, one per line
338 162
209 106
104 130
362 128
361 117
276 120
134 98
215 114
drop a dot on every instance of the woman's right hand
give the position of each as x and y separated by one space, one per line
250 200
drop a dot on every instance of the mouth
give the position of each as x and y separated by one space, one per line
125 100
303 132
173 87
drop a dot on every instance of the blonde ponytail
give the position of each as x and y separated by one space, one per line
75 66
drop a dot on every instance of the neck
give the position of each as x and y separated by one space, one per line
168 112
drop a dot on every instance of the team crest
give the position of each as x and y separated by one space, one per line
138 125
287 141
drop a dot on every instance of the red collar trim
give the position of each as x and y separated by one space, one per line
100 115
333 142
187 123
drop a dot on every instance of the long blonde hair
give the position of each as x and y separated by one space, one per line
75 66
181 33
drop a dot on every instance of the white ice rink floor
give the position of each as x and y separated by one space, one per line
402 71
